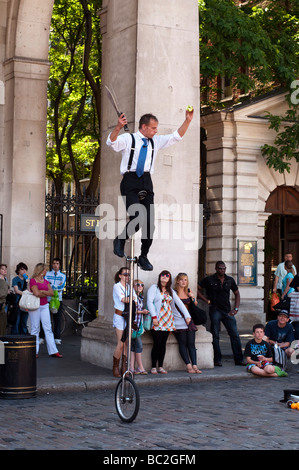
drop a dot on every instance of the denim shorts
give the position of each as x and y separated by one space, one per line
136 345
263 365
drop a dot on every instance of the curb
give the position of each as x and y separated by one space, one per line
92 384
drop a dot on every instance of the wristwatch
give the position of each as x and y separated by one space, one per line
236 309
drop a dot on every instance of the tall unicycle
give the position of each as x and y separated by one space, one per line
127 398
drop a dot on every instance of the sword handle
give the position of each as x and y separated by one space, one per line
125 126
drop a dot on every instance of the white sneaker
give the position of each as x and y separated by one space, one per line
58 341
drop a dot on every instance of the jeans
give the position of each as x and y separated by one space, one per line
295 325
230 324
20 327
186 340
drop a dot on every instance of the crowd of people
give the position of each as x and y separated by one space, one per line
167 310
14 318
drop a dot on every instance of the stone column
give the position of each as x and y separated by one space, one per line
151 59
24 72
24 161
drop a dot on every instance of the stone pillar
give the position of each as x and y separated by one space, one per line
151 59
24 72
23 164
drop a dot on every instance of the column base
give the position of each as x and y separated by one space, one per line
99 340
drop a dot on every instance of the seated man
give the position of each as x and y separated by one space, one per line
259 356
280 333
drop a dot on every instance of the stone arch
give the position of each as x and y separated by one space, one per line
24 72
27 29
283 200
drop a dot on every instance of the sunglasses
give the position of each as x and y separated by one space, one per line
165 275
139 285
125 274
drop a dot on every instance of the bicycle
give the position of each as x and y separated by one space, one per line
81 317
127 400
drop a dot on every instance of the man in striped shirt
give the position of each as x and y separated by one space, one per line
57 280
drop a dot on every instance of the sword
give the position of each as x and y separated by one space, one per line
112 98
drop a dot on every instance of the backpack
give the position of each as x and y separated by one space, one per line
279 357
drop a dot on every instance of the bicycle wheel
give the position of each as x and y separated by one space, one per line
62 322
87 317
127 399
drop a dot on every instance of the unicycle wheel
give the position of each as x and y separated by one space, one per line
127 399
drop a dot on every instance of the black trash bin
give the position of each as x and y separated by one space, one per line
18 373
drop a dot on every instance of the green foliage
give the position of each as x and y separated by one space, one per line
285 148
255 47
73 118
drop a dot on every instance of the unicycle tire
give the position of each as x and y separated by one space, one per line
127 399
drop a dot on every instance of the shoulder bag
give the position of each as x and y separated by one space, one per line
29 301
198 315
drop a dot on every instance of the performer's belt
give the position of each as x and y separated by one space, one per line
118 312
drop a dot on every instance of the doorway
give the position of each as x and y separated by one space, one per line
281 236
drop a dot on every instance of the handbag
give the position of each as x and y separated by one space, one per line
283 305
198 315
29 301
54 303
139 332
147 322
274 300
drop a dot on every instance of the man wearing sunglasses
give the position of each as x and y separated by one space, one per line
218 287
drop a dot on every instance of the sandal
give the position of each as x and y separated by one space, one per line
140 371
196 370
154 370
162 371
190 370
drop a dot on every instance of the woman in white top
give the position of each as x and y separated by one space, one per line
161 300
121 293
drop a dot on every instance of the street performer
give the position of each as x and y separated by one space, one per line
139 151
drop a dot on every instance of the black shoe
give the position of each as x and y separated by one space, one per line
118 247
217 364
241 363
144 263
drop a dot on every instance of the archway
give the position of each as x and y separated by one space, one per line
24 71
281 234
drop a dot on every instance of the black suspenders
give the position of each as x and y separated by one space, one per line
133 150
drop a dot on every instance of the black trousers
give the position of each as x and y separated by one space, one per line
141 212
159 347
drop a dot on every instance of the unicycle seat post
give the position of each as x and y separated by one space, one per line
131 260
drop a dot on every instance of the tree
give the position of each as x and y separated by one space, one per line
255 46
74 93
286 144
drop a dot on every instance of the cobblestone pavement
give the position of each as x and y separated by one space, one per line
220 415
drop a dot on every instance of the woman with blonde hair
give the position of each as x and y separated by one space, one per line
162 303
186 337
41 288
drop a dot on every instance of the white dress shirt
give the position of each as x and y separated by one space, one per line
123 144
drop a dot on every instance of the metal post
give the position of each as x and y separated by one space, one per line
131 261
